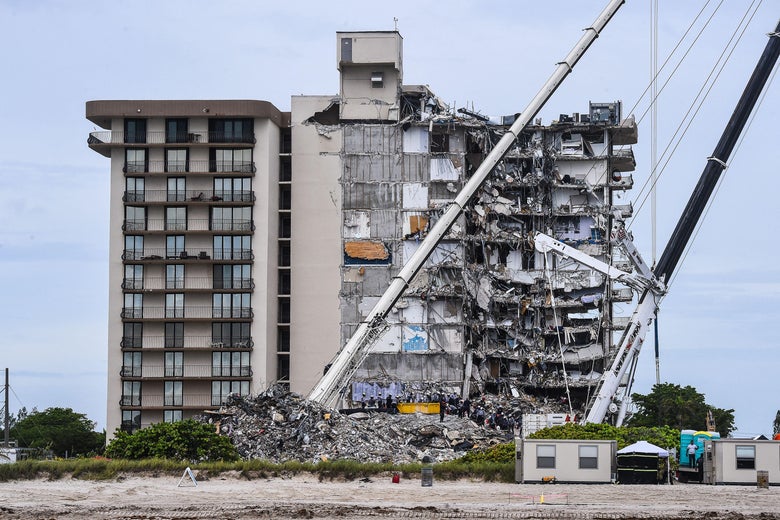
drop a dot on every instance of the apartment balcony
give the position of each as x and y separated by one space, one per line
184 372
104 138
623 159
187 283
189 312
200 166
187 196
194 224
161 254
150 401
190 343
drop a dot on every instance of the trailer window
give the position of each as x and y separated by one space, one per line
746 457
589 457
545 456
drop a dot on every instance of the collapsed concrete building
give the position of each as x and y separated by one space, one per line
486 309
247 244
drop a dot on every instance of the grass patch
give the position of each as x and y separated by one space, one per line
105 469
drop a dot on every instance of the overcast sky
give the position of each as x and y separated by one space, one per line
56 55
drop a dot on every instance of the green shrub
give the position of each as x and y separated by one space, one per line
185 440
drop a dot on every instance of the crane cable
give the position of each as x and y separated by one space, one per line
700 98
720 181
558 333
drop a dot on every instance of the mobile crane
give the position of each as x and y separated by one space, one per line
350 357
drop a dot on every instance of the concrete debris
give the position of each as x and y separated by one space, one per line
279 426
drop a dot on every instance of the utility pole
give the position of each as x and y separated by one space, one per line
6 430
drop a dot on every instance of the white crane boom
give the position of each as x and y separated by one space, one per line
349 358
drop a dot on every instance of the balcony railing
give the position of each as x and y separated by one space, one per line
185 371
189 196
130 400
188 312
188 282
162 253
199 166
195 224
130 371
119 137
159 400
186 342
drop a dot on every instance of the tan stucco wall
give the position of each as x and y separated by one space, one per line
316 244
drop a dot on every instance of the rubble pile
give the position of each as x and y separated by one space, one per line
279 426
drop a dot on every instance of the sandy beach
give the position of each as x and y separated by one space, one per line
304 496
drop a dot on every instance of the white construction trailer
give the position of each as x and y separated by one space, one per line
565 461
740 461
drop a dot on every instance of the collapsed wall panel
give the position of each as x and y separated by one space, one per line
382 195
434 368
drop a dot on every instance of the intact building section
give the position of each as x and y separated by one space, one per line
192 253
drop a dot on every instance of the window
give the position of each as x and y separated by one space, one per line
131 393
284 310
284 281
173 393
545 456
283 339
232 305
175 218
746 457
134 247
284 254
589 457
377 79
135 218
176 160
236 276
231 219
133 306
285 196
134 189
285 225
135 130
174 364
285 143
231 160
236 247
132 335
174 276
230 364
174 335
231 131
220 390
131 420
174 246
235 335
285 170
233 189
176 189
174 305
134 277
283 367
135 160
175 130
171 415
131 364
